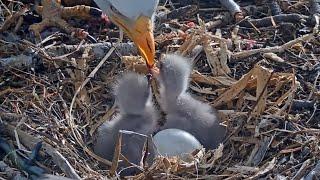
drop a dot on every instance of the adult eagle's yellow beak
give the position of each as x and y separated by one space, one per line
141 33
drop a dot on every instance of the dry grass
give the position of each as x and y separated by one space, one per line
267 95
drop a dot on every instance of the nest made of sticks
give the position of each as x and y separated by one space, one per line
261 74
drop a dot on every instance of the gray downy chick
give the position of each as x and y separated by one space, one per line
137 114
182 110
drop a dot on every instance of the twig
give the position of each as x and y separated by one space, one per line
315 172
177 13
11 173
116 156
259 97
98 49
57 157
13 19
275 49
314 86
91 75
302 170
268 21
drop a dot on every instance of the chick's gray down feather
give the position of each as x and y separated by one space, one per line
137 113
182 110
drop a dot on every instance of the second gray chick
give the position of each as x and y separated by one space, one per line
182 110
137 113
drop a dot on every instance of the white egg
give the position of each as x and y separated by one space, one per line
175 142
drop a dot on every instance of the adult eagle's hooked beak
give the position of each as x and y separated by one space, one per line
135 18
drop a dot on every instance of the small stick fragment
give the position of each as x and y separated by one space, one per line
116 155
177 13
302 170
275 49
267 21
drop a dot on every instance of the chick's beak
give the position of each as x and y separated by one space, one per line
141 33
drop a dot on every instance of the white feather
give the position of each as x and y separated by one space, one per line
132 9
